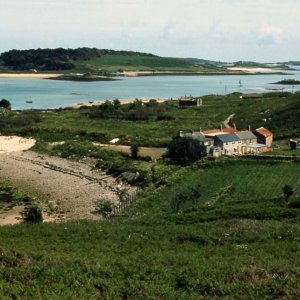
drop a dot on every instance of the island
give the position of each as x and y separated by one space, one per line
288 81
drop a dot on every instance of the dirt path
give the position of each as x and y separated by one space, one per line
153 152
68 188
227 120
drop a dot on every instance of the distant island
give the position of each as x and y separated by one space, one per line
288 82
82 77
103 64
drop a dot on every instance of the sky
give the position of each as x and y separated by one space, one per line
222 30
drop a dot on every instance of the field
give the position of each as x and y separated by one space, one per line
115 63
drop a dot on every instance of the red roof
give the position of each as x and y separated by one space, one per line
263 131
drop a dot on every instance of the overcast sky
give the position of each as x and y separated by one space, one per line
226 30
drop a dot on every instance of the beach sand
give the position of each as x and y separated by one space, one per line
28 75
122 100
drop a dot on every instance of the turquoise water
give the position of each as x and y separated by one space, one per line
53 94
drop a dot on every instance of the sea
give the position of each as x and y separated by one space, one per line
34 93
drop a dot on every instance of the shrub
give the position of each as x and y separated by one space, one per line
104 207
287 191
33 214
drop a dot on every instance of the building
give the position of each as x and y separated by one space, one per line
264 136
247 139
230 143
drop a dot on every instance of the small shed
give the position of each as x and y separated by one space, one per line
264 136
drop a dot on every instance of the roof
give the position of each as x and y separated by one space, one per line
263 131
246 135
228 138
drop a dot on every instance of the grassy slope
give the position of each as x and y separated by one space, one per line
232 247
239 239
282 115
113 63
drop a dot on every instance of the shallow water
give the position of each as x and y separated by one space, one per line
53 94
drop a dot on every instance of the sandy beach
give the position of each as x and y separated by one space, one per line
254 70
122 100
28 75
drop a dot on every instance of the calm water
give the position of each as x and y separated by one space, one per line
53 94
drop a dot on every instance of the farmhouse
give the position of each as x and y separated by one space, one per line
264 136
229 143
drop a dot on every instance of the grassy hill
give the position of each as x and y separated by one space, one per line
238 239
96 61
214 229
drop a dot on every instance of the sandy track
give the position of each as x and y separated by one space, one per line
70 187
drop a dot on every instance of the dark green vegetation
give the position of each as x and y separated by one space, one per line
55 59
288 81
213 229
96 61
85 77
5 104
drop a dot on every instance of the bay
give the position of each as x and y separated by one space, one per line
46 94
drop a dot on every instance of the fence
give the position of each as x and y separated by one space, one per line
126 199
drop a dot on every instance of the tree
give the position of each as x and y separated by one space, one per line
5 104
117 103
185 150
287 191
134 150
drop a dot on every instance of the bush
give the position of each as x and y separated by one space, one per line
104 207
33 214
5 104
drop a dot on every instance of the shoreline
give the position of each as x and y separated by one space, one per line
237 71
30 75
123 101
